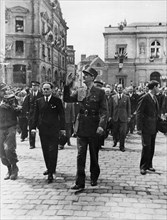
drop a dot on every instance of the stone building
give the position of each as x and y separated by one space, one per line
71 67
136 53
36 36
95 62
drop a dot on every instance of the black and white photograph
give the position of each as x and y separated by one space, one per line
83 109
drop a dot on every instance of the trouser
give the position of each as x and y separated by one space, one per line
50 151
119 132
23 122
31 136
148 144
131 124
82 144
8 146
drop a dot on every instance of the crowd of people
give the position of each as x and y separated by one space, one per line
89 113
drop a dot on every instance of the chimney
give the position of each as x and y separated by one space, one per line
83 56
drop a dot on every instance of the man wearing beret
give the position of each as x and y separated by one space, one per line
91 122
49 117
8 123
29 104
147 116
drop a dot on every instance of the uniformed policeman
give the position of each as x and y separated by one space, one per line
29 104
91 122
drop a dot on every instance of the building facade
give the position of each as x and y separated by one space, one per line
36 36
136 53
71 67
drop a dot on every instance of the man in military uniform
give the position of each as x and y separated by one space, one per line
29 104
9 112
91 122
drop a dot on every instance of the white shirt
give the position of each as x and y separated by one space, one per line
49 97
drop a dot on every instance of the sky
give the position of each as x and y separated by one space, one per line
87 19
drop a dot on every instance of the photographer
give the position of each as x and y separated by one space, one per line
9 111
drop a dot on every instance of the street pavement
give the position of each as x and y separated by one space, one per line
122 192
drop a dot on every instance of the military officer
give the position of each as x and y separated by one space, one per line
91 122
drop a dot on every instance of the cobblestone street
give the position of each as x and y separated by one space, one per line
122 192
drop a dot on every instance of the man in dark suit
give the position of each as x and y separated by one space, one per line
147 116
50 119
120 114
164 104
133 101
29 105
91 122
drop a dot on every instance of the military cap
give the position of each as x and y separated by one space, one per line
91 71
152 83
3 86
100 82
35 83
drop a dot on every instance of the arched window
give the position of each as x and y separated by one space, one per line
43 74
155 49
98 65
19 73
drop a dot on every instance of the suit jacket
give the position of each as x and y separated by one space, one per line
49 117
96 107
120 109
147 114
133 102
164 105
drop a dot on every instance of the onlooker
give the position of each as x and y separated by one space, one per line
147 116
50 120
91 122
23 120
29 106
8 122
164 104
120 114
133 101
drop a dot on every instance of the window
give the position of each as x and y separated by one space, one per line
155 49
19 47
19 27
43 51
43 27
19 74
49 54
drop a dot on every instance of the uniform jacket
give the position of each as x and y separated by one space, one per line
93 111
164 105
120 109
147 114
29 103
49 117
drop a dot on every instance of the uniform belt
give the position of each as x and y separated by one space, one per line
89 112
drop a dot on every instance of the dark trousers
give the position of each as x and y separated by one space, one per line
119 132
50 151
131 124
148 143
23 122
32 137
8 146
82 144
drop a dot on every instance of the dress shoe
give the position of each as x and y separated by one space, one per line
45 173
50 178
32 147
77 187
22 140
14 172
7 177
151 169
143 172
122 149
93 183
115 144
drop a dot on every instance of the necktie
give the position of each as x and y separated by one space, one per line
154 98
46 99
